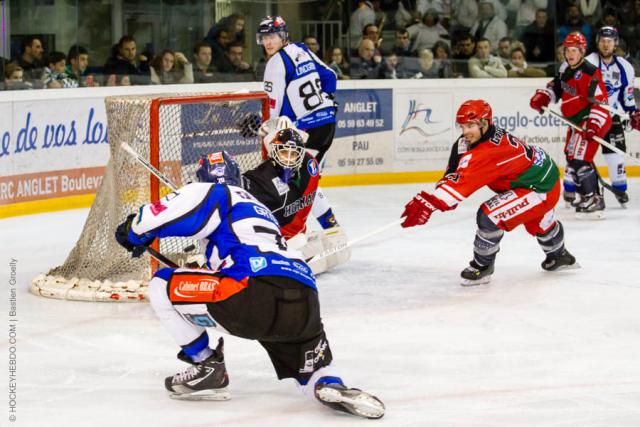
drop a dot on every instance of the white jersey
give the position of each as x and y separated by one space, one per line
299 85
618 78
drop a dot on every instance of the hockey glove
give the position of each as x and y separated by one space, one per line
122 237
590 130
249 125
635 119
539 100
419 209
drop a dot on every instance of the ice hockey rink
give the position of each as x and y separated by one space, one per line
531 348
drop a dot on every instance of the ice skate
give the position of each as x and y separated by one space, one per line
592 207
476 274
351 400
564 261
622 198
207 380
571 199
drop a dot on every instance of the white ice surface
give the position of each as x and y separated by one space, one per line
530 349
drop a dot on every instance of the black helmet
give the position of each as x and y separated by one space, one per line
272 25
609 33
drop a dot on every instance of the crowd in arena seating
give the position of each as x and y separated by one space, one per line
385 39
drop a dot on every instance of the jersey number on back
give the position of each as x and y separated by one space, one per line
310 95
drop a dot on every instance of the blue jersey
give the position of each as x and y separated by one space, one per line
240 236
299 85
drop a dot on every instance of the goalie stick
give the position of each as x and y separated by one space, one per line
166 181
161 258
595 138
352 242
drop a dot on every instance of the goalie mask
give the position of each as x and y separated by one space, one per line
286 150
218 168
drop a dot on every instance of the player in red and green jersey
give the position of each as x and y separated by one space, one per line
525 178
580 86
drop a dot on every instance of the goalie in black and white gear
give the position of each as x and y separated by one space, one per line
287 183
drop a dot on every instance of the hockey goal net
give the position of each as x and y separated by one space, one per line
172 133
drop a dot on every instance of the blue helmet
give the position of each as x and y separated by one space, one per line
218 168
272 25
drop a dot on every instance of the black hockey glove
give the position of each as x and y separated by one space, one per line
122 237
249 125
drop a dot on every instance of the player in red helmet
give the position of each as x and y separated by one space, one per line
580 86
524 177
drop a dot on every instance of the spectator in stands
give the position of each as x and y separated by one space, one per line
538 38
483 64
233 24
55 74
423 6
402 43
203 72
575 22
233 61
372 33
504 50
123 62
366 65
590 10
527 15
425 34
463 51
337 61
489 26
14 78
427 67
442 56
362 16
31 59
465 14
406 14
312 43
393 68
223 38
77 65
170 68
518 67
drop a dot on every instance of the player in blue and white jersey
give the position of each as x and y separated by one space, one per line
254 288
300 87
618 76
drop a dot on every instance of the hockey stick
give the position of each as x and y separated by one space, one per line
166 181
595 138
350 243
161 258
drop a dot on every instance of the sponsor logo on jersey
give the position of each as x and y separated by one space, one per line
262 211
568 88
192 287
305 68
157 207
299 204
577 75
300 267
312 357
281 186
278 262
512 211
464 161
538 156
257 263
312 167
215 158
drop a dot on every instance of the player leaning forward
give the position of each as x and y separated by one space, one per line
300 87
580 86
524 177
254 288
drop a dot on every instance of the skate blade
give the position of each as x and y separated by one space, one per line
573 266
591 215
362 404
218 394
469 282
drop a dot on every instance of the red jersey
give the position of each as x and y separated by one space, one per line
581 89
500 161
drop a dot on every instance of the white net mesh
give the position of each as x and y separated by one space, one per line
98 269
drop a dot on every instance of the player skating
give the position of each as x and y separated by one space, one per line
618 76
580 87
301 87
524 177
254 288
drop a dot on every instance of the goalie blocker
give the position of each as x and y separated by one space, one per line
317 242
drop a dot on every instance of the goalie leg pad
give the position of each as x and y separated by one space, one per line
320 241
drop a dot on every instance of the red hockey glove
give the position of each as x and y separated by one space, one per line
635 119
539 100
590 130
419 209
